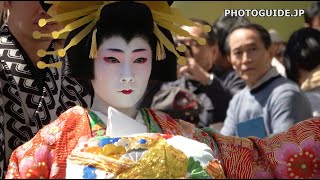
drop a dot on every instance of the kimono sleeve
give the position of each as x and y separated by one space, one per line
36 158
294 153
44 156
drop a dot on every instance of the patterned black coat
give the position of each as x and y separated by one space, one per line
30 98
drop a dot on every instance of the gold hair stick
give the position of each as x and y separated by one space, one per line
42 65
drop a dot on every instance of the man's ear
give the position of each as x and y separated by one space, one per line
270 52
214 51
272 49
228 58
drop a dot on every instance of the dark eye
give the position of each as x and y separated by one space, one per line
237 53
111 60
140 60
253 48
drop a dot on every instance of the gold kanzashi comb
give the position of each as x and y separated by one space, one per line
73 15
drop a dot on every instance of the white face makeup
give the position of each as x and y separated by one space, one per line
122 71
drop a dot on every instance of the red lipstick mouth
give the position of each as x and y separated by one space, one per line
129 91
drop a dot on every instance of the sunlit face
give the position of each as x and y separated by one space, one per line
24 17
122 71
248 55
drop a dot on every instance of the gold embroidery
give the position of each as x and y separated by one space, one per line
161 161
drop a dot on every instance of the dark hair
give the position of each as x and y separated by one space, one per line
222 26
302 51
263 33
128 20
45 6
211 39
311 12
129 25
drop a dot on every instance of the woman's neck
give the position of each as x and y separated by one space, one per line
102 106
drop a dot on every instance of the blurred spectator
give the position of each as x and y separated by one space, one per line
197 77
302 60
312 16
270 103
277 50
222 67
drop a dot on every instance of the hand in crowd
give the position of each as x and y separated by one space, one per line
194 71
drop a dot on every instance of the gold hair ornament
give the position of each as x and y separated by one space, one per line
74 15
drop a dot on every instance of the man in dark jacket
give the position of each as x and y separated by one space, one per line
203 76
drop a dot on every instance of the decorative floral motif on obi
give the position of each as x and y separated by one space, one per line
143 156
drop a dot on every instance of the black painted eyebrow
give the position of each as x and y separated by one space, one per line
119 50
139 50
116 50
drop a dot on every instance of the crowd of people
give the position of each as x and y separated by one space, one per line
251 99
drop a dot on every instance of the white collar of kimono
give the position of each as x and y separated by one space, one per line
119 124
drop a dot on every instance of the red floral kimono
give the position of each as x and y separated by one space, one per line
293 154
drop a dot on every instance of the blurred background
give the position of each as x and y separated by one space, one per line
210 10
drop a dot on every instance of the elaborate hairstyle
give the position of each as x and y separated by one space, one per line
302 51
136 21
86 14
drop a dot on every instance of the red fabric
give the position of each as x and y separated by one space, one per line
75 124
292 154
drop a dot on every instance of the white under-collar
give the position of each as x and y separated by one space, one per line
120 124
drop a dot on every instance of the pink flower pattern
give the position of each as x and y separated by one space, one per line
298 161
24 148
11 170
52 133
37 166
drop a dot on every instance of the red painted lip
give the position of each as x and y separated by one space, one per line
129 91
